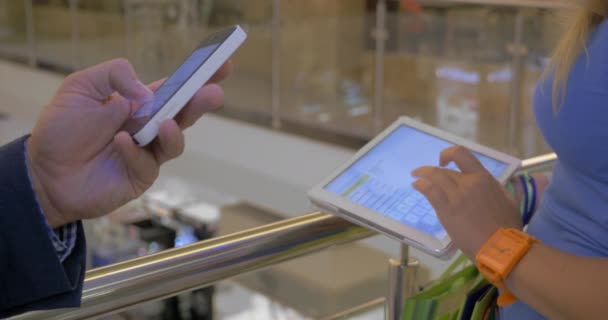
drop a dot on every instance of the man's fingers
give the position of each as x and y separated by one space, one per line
220 75
209 98
156 84
223 72
112 76
170 143
118 75
141 164
123 79
463 158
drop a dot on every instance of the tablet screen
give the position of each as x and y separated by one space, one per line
381 180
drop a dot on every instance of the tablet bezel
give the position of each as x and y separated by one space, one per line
336 204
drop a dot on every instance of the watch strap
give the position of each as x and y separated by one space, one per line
506 298
497 271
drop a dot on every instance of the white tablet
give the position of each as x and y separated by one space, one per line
374 189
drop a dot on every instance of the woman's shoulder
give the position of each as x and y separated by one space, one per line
600 35
603 25
595 54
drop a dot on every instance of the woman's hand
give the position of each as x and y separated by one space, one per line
81 164
470 204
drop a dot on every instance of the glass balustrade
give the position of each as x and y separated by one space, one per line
337 71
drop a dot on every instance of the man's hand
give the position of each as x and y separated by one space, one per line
81 165
470 204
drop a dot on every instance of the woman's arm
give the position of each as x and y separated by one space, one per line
472 205
559 285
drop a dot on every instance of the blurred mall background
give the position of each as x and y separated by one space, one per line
314 81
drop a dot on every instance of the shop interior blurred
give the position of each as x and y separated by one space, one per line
315 80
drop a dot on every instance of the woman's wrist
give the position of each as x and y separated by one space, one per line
526 190
519 189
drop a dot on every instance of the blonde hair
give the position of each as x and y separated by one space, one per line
582 22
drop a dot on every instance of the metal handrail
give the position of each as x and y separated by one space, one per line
123 285
539 163
540 4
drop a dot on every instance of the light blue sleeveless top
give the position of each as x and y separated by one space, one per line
573 215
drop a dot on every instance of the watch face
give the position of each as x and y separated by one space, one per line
503 251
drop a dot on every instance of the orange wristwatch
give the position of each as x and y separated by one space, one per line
499 255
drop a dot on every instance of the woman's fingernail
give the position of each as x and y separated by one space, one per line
420 185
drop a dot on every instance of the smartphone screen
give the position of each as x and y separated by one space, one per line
183 73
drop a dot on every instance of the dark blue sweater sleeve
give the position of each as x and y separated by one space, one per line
31 275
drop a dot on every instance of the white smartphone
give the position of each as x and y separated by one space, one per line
183 84
374 188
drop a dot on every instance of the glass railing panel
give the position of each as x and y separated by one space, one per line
470 70
249 88
54 24
451 69
326 79
542 31
100 32
71 35
13 30
160 34
456 67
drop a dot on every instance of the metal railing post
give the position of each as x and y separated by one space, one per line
380 35
30 33
276 64
518 52
75 35
401 276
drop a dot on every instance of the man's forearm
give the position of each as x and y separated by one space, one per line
32 274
